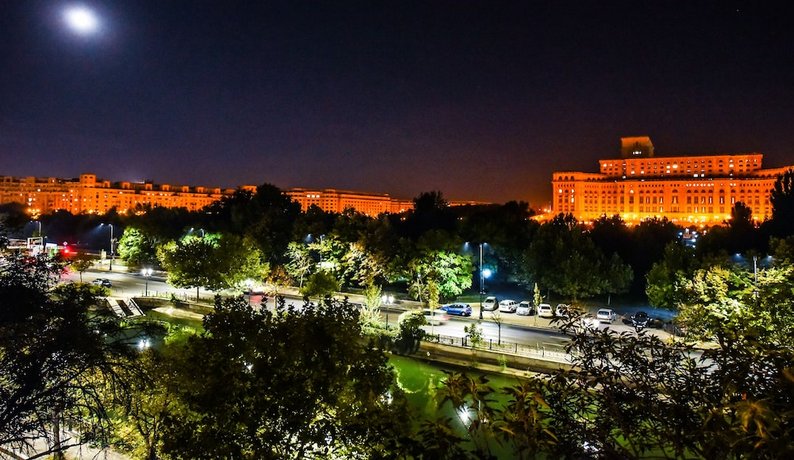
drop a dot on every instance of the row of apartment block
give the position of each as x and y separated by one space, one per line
87 194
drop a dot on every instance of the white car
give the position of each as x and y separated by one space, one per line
508 306
606 315
489 304
562 310
524 309
545 311
432 317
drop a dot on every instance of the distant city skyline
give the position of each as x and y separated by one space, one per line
481 101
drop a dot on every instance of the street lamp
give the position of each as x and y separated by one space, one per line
112 248
146 272
483 275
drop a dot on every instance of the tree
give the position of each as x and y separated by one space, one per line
496 317
662 280
214 262
782 200
566 260
152 398
81 262
290 383
474 332
618 277
410 332
320 284
450 273
56 358
275 280
370 311
363 265
300 263
137 248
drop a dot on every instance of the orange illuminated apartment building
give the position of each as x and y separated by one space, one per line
685 189
87 194
332 200
90 195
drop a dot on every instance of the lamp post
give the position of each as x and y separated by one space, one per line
112 248
146 272
483 275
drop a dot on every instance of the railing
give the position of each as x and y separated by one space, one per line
547 353
134 308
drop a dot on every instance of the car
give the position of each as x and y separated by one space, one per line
590 322
489 304
545 311
104 282
640 320
457 309
606 315
508 306
525 309
432 317
562 310
435 317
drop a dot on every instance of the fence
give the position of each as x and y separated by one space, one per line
548 353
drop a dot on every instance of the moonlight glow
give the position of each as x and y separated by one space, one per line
81 20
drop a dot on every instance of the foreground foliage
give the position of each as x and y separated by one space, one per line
57 359
280 384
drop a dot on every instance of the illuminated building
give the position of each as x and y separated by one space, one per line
87 194
332 200
698 189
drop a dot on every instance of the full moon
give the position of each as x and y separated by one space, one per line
81 20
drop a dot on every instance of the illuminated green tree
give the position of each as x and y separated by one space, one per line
81 262
448 272
137 248
289 384
213 262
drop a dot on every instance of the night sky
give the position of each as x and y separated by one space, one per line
481 100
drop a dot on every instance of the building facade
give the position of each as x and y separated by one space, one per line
333 200
87 194
698 189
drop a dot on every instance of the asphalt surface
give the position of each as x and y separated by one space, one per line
524 330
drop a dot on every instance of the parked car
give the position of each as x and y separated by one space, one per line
545 311
457 309
508 306
525 309
640 320
104 282
489 304
606 315
432 317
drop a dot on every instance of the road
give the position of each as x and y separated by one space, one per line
533 331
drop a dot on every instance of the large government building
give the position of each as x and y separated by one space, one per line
698 189
87 194
332 200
